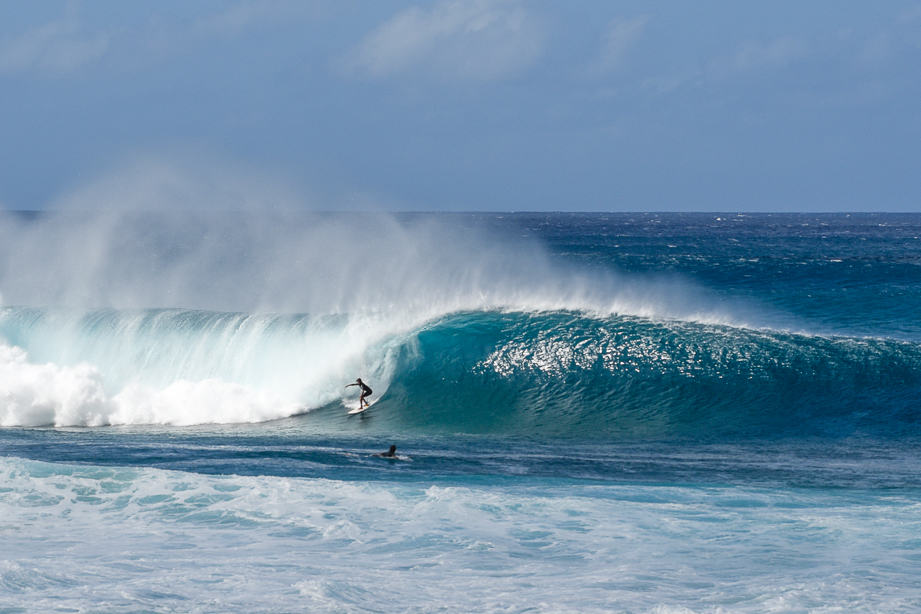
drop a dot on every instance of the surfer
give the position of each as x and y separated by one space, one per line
391 453
365 392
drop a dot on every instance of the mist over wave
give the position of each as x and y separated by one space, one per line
410 268
204 316
178 317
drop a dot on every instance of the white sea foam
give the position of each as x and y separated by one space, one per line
48 394
114 539
182 367
175 382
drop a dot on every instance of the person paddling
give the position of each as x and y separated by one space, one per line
365 392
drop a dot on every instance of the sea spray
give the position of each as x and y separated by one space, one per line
103 307
417 268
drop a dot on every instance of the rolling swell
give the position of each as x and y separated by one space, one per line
565 374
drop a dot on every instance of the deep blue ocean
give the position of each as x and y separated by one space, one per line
656 412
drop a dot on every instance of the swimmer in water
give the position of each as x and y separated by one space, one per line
391 453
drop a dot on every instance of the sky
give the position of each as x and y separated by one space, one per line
485 105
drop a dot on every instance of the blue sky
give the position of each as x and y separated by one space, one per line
479 105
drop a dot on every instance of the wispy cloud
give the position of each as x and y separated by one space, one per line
619 37
479 39
776 53
876 49
910 15
60 46
747 58
67 44
244 15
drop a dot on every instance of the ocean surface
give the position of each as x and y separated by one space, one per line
592 412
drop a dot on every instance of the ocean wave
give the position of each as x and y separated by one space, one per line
624 377
540 373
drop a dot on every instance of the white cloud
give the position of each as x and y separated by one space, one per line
478 39
59 46
619 37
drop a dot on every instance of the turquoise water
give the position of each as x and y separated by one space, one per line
624 412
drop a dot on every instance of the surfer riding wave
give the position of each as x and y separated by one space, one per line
365 392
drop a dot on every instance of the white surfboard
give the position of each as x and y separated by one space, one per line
358 410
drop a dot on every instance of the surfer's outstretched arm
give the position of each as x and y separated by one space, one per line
365 391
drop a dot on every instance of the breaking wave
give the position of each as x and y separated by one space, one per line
539 373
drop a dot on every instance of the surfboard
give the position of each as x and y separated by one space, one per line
358 410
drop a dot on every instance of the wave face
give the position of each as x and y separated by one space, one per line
564 374
542 374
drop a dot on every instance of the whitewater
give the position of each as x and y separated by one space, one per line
593 412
